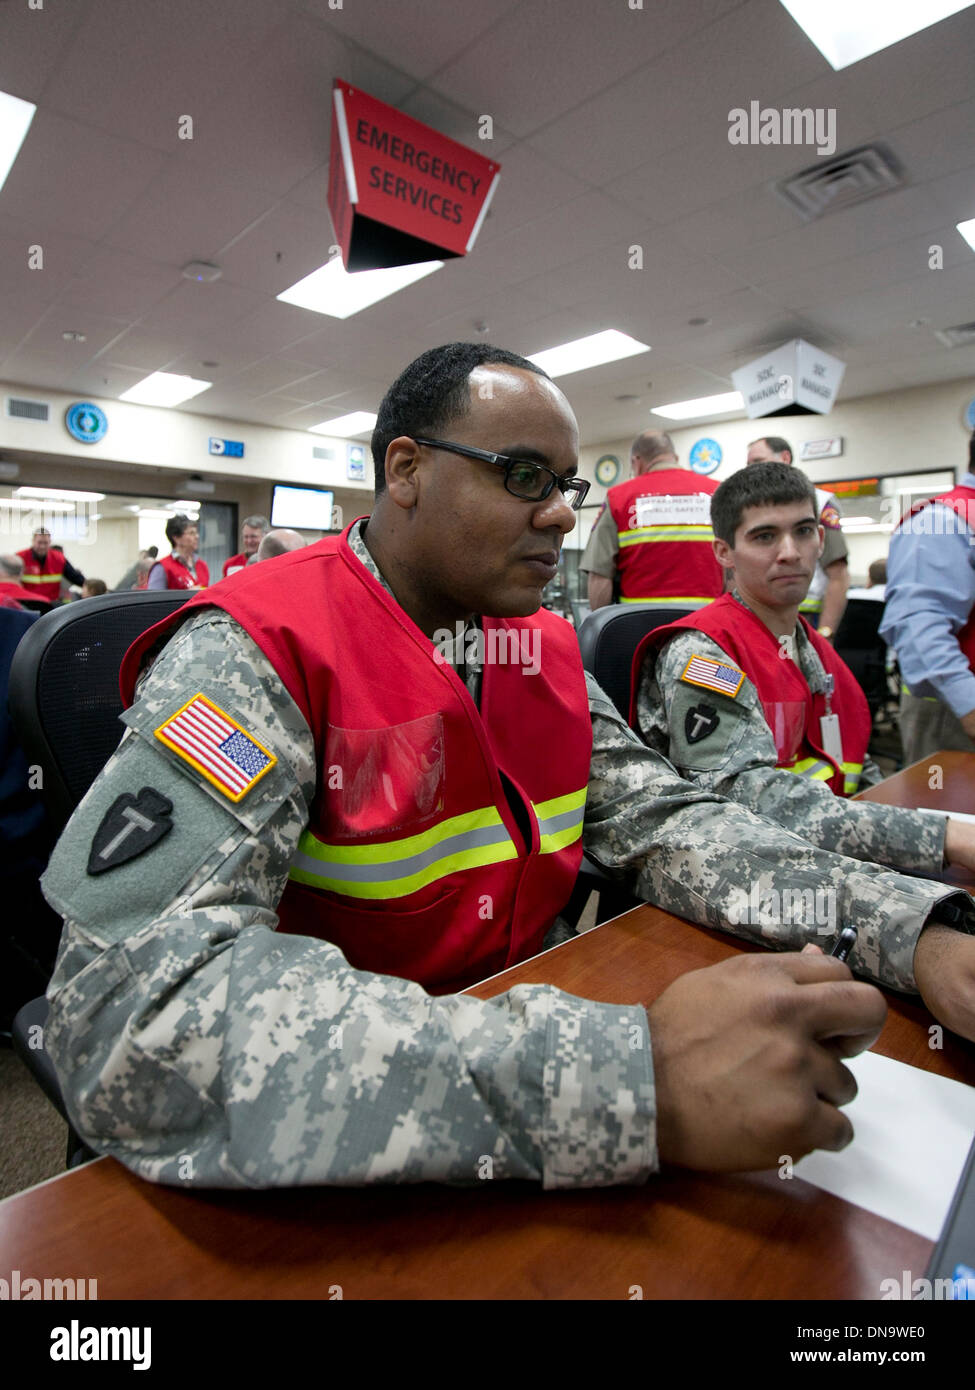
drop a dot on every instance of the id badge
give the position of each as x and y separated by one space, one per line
829 730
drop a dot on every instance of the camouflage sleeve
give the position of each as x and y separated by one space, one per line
725 745
599 556
196 1044
713 862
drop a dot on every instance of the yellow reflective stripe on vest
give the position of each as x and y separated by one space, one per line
811 605
397 868
37 578
665 600
560 821
640 534
931 699
813 767
851 776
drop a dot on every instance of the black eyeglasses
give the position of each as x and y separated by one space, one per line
532 482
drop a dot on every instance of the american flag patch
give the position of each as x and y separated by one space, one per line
713 675
204 736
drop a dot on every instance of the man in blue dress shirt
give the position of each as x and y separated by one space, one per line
930 619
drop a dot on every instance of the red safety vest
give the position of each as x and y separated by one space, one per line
179 577
235 563
43 577
664 531
10 589
412 861
962 501
791 708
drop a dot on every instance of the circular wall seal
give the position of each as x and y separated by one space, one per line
86 422
607 470
705 456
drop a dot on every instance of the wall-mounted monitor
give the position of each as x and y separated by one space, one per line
302 508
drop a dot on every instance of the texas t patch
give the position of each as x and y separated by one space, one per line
207 738
713 675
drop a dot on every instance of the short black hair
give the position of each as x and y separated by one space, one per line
177 524
777 444
759 485
432 391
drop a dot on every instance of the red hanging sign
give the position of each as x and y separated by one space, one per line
400 193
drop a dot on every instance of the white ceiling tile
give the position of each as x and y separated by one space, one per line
538 63
73 182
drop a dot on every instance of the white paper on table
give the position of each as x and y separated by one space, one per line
955 815
913 1130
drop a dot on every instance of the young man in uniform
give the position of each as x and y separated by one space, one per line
747 700
825 603
304 755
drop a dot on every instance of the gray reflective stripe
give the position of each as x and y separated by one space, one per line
390 869
563 821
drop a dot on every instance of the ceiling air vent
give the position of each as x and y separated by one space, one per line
832 184
962 335
28 410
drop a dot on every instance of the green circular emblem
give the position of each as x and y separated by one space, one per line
607 470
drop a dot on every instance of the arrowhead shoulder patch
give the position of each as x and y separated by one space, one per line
700 721
130 826
713 675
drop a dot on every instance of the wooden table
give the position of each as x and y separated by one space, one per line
911 787
688 1237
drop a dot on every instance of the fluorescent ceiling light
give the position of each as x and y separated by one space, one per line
845 31
608 346
704 405
967 230
164 388
155 514
347 426
15 119
332 290
59 494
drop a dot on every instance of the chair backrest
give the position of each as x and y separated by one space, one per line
64 694
609 637
859 627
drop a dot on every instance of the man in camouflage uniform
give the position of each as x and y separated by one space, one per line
196 1044
763 509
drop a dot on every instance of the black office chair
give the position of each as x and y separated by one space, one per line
608 639
65 705
859 643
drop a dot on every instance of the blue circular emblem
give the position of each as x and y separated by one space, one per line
970 414
705 456
86 422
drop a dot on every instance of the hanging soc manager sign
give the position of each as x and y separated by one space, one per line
398 192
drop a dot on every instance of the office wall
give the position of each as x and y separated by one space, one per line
910 431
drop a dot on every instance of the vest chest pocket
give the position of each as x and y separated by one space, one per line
787 720
375 781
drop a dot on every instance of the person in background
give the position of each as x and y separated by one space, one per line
253 531
279 543
130 579
93 587
655 531
876 586
182 569
11 573
48 573
930 619
824 604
